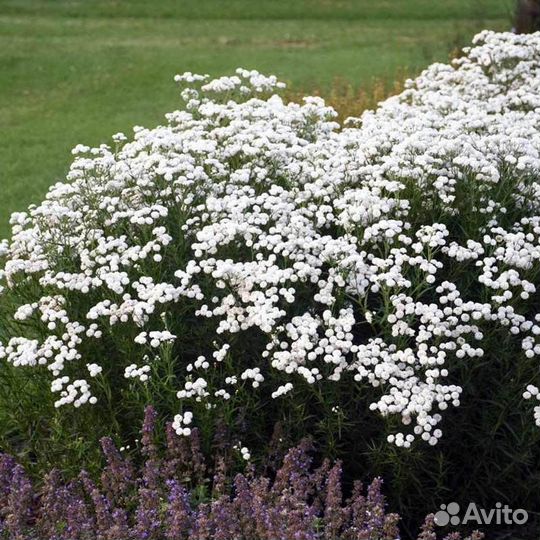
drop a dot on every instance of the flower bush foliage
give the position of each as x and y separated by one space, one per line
255 259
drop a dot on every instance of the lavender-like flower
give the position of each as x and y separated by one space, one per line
293 473
119 529
197 458
223 519
177 455
53 501
7 466
179 519
118 477
334 515
244 506
79 522
147 517
254 508
102 506
149 448
428 529
219 483
19 506
202 527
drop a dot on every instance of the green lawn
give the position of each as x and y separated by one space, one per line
78 71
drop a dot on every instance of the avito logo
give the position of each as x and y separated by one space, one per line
500 515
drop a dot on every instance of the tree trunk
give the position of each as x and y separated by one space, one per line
527 16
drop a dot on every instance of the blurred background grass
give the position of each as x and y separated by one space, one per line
78 71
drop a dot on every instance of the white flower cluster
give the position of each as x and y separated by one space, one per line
349 253
181 423
77 392
244 451
135 372
533 392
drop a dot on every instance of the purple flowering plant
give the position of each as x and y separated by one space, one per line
173 494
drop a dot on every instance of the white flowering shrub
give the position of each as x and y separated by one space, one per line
251 247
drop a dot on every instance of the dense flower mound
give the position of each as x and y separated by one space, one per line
254 244
168 497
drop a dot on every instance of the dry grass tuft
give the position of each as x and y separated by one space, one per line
352 100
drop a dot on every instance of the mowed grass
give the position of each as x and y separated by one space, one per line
78 71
